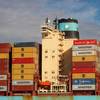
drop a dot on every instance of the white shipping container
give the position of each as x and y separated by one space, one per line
83 87
22 82
3 77
84 47
84 53
3 88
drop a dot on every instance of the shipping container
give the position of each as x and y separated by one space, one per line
83 87
3 88
83 70
22 88
84 81
4 71
22 60
3 83
22 77
5 45
24 55
25 50
84 64
26 44
84 42
84 58
3 77
22 82
84 53
23 71
82 75
4 55
84 47
22 66
5 50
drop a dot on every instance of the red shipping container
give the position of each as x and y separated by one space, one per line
84 64
23 88
4 71
22 60
83 70
85 42
2 94
3 83
4 66
5 45
5 50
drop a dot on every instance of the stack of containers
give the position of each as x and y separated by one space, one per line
5 50
24 65
98 71
84 59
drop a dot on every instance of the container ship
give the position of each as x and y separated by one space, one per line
63 65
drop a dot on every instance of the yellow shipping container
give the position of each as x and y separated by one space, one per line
84 58
83 75
4 55
25 49
22 66
24 55
22 77
23 71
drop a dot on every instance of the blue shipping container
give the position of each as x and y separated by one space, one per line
83 81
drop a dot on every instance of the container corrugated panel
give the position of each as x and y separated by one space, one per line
83 75
84 81
4 55
84 58
24 49
26 44
22 66
84 53
84 42
22 77
3 88
22 60
84 47
23 71
83 87
24 55
22 88
84 64
83 70
22 82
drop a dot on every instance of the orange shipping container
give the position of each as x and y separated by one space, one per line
24 49
23 71
22 77
4 55
84 58
24 55
83 75
23 66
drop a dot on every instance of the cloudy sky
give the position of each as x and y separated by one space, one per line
20 20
